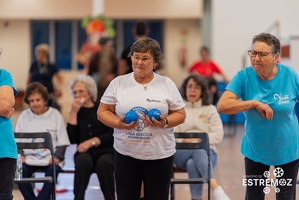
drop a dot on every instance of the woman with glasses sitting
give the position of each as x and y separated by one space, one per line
201 116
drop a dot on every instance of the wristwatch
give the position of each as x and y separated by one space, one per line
166 123
93 143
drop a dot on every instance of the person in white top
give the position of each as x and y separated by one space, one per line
41 118
201 116
143 149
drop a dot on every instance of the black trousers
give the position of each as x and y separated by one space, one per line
103 166
130 172
7 174
285 180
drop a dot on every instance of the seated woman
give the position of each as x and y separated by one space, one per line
201 116
39 117
94 139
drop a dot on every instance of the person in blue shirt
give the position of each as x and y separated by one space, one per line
8 151
267 93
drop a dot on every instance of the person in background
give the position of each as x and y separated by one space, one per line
266 92
103 65
201 116
208 68
8 152
140 30
39 117
94 139
46 73
143 149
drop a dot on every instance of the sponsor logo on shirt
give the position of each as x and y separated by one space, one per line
282 99
153 100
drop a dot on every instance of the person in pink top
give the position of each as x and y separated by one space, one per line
208 68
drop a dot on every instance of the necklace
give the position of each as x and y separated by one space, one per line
145 87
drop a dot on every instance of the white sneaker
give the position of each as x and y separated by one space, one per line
219 194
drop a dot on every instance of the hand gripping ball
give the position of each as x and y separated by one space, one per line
154 113
131 116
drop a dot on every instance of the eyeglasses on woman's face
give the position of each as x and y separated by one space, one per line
260 54
144 60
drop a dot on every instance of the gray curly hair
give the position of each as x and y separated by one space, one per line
90 84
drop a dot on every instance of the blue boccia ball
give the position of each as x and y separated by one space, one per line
131 116
154 113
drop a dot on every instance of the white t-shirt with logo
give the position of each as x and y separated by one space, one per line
51 121
144 142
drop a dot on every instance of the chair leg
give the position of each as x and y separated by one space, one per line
172 192
53 190
209 190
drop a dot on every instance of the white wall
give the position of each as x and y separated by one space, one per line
173 43
235 22
294 54
15 41
45 9
154 9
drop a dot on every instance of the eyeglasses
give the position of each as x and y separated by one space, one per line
261 54
196 87
143 60
75 92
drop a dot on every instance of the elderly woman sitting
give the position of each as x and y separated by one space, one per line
94 139
41 118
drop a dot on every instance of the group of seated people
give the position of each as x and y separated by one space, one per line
94 140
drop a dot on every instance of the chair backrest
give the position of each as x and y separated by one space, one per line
37 140
201 142
46 141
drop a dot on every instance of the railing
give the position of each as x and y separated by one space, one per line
275 27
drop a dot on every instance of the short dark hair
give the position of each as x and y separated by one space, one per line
38 88
269 39
205 48
202 82
141 28
146 44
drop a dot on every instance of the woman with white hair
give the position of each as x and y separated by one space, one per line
94 139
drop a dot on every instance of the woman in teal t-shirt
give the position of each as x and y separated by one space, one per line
267 93
8 150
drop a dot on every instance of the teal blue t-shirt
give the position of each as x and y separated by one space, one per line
275 141
8 147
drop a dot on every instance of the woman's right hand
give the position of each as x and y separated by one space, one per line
123 125
76 105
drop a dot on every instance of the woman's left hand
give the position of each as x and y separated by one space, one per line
156 123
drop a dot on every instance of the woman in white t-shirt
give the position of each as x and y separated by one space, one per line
41 118
143 149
